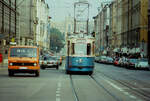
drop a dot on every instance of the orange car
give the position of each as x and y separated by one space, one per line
23 59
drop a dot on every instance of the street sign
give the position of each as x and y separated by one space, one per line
13 43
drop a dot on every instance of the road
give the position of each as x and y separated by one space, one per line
108 83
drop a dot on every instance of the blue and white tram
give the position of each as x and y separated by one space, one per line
80 55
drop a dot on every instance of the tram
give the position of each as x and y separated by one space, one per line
80 44
80 54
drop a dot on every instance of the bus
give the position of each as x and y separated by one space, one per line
23 59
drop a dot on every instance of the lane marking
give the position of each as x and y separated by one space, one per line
58 91
57 95
115 86
120 89
59 85
133 97
57 99
126 93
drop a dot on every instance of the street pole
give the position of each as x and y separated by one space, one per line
17 7
149 32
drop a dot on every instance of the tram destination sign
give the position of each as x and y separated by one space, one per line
81 41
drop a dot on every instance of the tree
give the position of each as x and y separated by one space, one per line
56 40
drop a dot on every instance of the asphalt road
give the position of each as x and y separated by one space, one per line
108 83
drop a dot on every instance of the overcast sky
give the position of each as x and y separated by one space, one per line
61 8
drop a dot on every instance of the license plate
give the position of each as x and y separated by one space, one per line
22 67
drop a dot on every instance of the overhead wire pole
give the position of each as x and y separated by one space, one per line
16 7
74 20
149 32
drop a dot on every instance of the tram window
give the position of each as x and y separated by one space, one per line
72 51
88 49
68 47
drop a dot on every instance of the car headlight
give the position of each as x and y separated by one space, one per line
45 62
10 64
34 64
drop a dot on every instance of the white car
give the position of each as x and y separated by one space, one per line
142 63
50 62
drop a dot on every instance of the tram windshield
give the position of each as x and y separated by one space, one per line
80 49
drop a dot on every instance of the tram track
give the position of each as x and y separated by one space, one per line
97 83
136 90
105 89
73 89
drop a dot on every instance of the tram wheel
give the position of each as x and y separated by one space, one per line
90 73
67 72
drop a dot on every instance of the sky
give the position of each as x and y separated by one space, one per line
61 8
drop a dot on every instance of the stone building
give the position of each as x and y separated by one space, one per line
28 21
43 25
8 25
128 26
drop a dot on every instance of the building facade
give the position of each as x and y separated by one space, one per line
9 27
43 25
128 26
28 21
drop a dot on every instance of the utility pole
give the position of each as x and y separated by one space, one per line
149 32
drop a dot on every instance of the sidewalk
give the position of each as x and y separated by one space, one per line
4 64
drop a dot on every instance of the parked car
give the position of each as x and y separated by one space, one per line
131 63
124 62
142 63
102 59
97 58
116 61
50 62
40 59
109 60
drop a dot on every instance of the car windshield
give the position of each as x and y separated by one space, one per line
144 60
49 58
103 57
23 52
133 60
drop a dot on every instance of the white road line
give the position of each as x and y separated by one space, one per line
57 99
126 93
57 95
58 91
133 97
115 86
59 84
120 89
